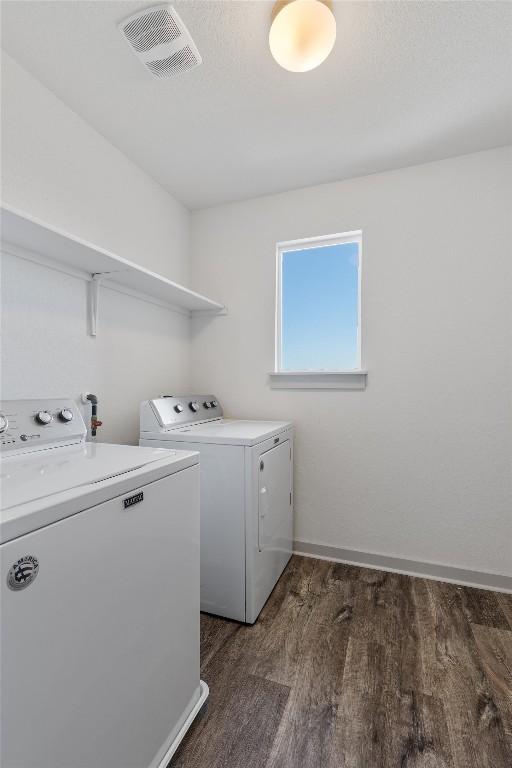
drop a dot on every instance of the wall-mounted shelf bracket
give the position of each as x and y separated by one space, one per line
25 236
94 299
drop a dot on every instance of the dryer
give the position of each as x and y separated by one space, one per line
246 478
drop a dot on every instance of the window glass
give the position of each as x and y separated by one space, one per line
320 308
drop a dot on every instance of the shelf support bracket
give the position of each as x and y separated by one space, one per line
94 300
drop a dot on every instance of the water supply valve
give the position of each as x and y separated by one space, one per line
95 423
88 397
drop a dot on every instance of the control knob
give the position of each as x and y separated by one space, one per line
178 408
214 403
66 415
194 406
43 417
4 422
207 404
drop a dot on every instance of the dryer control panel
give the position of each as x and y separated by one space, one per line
169 411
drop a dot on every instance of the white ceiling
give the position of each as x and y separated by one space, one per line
407 82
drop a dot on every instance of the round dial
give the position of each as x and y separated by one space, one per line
43 417
178 408
207 404
194 406
214 403
4 422
66 415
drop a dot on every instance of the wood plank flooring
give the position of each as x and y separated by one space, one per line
354 668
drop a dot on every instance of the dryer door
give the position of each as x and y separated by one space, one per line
275 520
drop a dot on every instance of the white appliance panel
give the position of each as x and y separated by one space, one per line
269 539
241 561
27 425
275 499
173 410
84 669
56 499
43 473
222 526
229 431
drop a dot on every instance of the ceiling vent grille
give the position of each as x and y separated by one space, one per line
159 38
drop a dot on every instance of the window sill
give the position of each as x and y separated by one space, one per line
318 379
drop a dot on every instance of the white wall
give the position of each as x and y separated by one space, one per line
141 349
60 170
416 466
419 464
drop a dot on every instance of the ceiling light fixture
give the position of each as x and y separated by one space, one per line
302 33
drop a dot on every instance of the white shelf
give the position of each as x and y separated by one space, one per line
26 234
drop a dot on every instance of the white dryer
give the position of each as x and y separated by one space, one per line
246 470
100 595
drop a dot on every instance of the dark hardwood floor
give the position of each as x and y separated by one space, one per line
354 668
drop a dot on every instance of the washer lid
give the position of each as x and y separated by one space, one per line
38 475
226 432
42 487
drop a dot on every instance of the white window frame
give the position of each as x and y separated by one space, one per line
317 379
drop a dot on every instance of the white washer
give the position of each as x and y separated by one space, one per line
246 497
99 550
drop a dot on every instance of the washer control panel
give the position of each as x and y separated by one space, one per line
174 410
27 425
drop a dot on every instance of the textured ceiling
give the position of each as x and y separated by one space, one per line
407 82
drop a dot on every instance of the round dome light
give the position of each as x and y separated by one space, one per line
302 33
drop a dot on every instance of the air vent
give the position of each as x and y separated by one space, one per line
159 38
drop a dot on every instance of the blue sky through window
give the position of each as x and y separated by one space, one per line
319 308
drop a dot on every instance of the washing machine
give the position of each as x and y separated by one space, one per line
99 559
246 471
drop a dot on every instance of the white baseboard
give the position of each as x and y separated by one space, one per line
481 580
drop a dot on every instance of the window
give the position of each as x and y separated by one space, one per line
319 306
